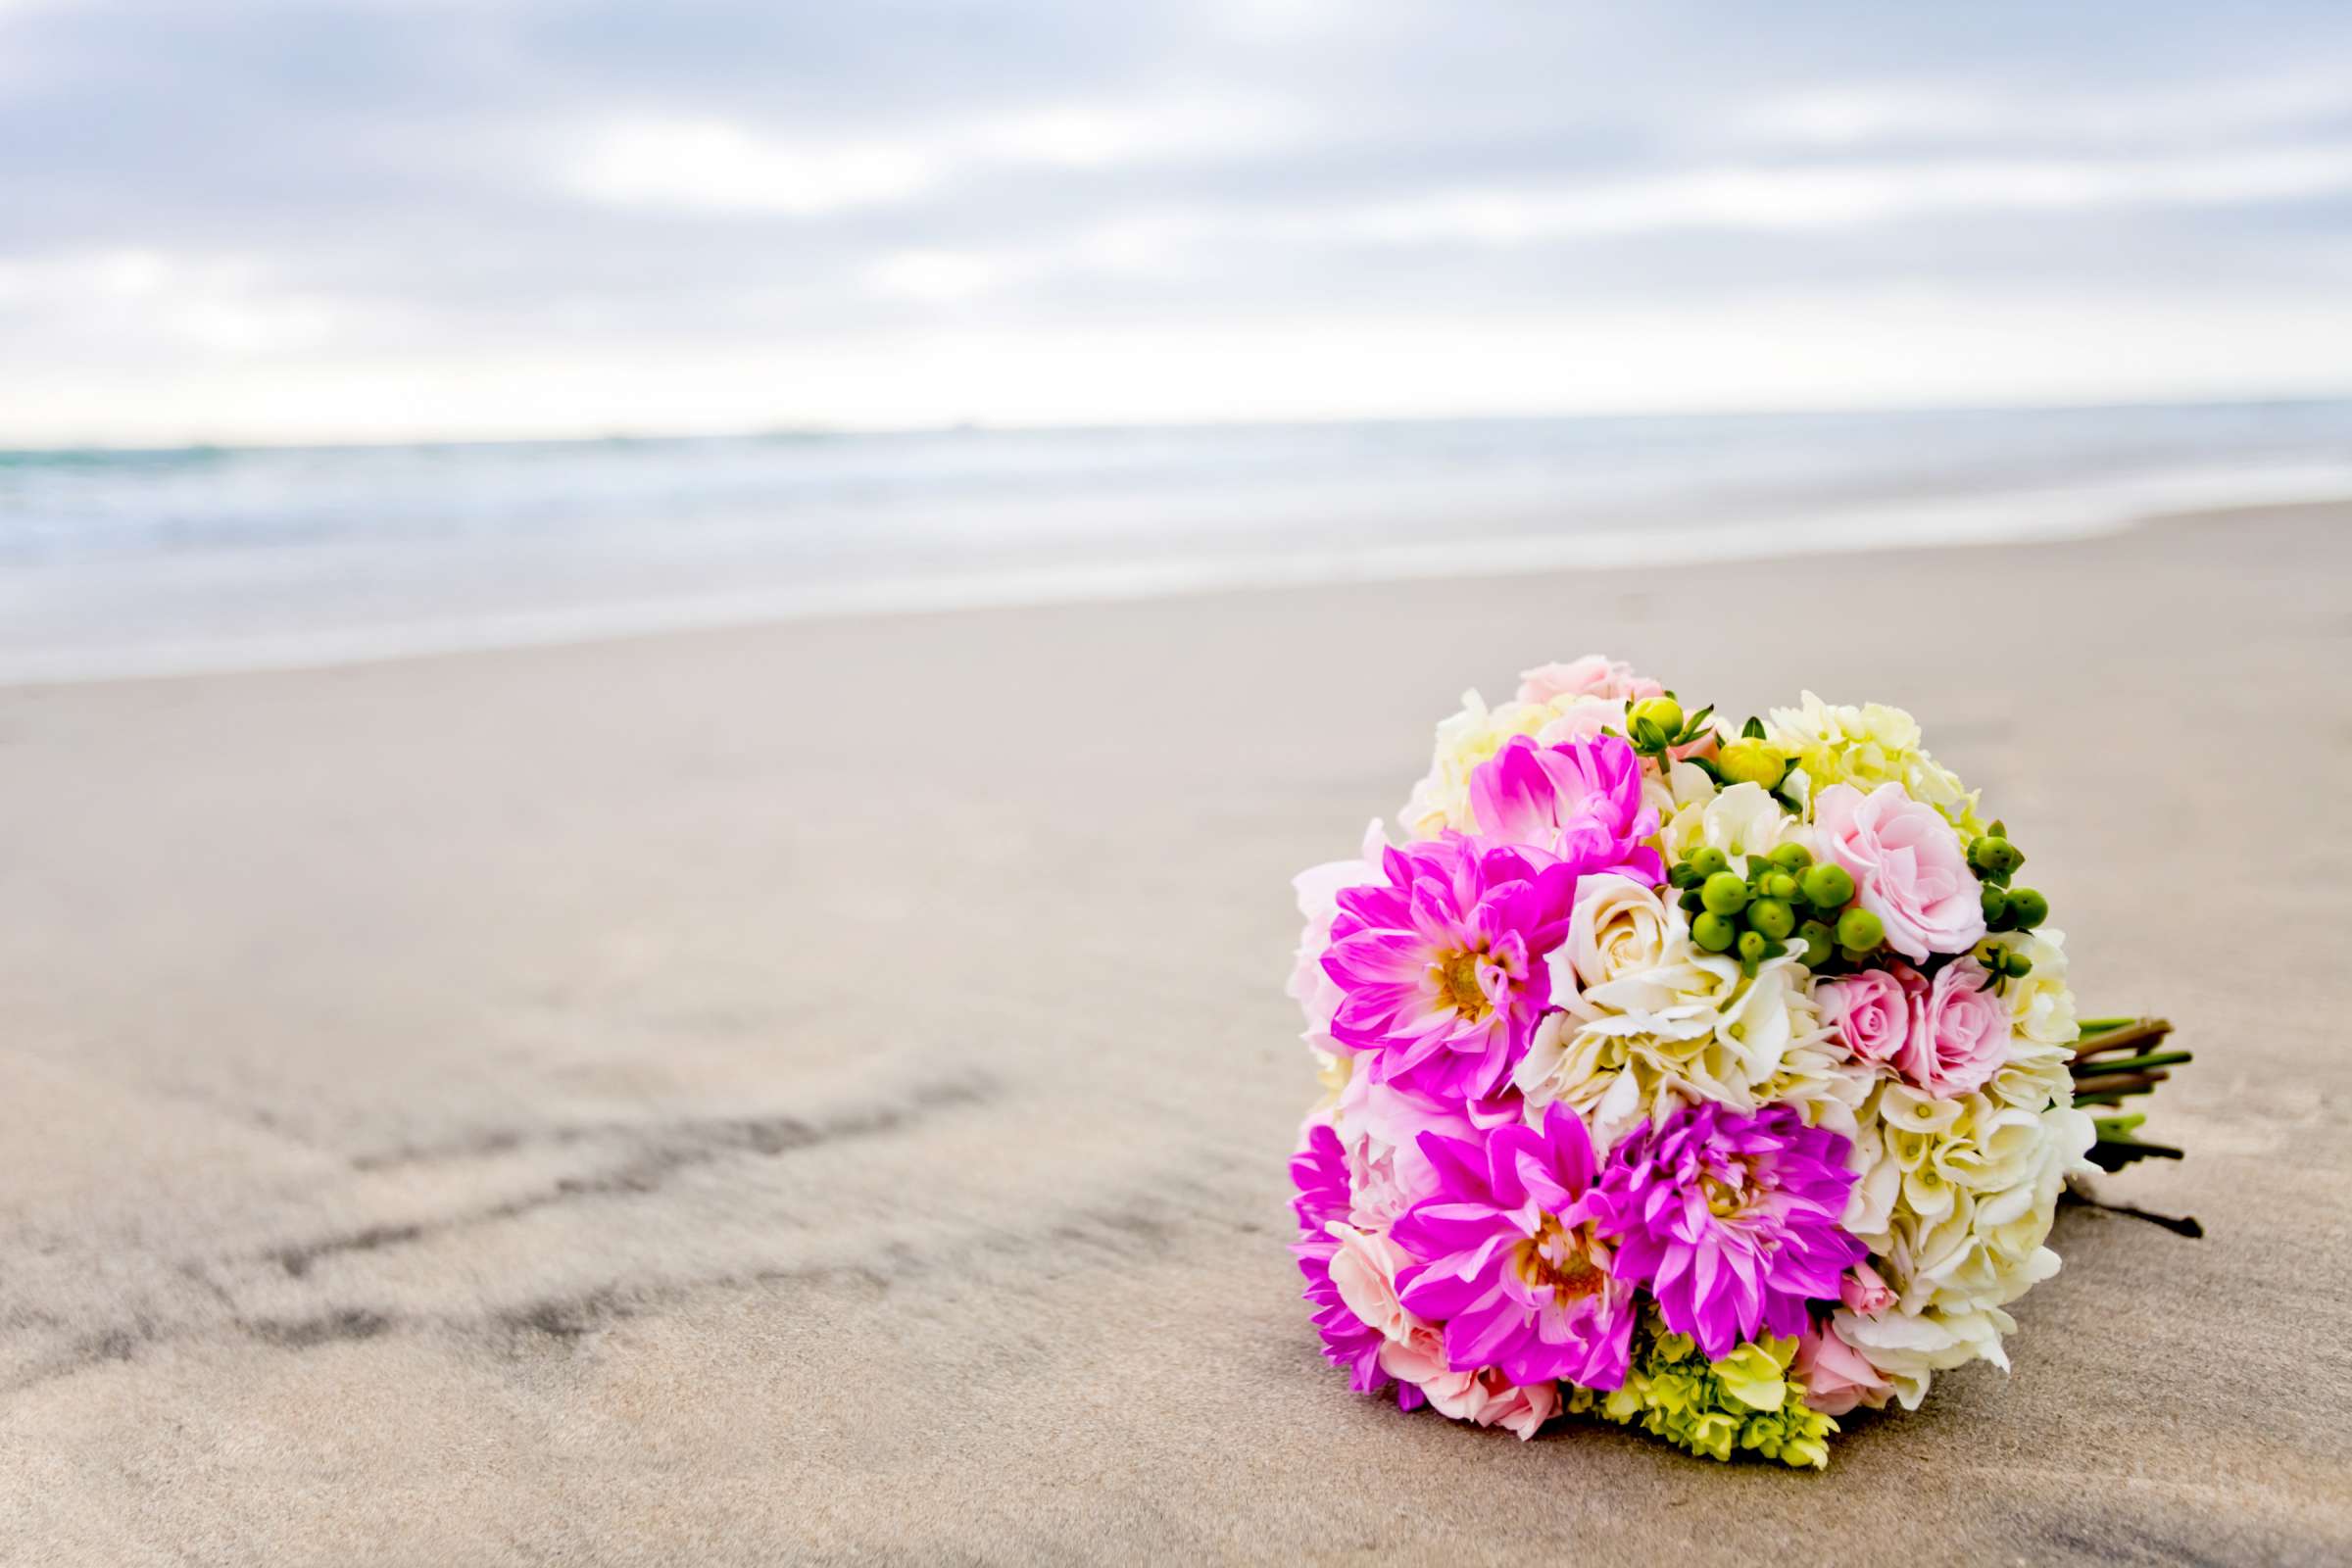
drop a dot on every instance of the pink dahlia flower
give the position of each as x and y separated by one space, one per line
1579 803
1731 1219
1442 967
1510 1262
1319 1171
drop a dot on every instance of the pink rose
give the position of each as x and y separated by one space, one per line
1485 1396
1364 1273
1908 866
1520 1407
1863 1292
1318 889
1593 675
1393 1118
1377 1193
1872 1010
1959 1032
1837 1376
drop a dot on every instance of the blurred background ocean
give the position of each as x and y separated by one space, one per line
124 563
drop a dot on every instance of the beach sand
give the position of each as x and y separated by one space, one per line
822 1090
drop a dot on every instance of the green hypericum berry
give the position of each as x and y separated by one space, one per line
1663 712
1752 762
1773 918
1992 855
1828 886
2017 966
1779 885
1724 892
1995 904
1860 929
2029 908
1710 860
1792 857
1751 947
1816 936
1713 932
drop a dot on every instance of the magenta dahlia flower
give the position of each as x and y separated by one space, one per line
1442 966
1510 1260
1579 802
1731 1218
1320 1173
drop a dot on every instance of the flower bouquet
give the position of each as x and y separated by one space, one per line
1714 1081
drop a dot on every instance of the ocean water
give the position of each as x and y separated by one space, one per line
117 562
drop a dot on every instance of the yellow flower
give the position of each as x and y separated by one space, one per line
1866 747
1756 1373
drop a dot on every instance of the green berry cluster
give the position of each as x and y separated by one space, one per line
1996 861
1783 897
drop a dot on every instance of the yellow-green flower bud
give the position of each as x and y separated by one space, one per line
1663 712
1752 762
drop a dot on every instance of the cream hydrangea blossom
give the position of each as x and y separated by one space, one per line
1958 1195
1977 1246
1743 820
1647 1021
1865 746
2041 1005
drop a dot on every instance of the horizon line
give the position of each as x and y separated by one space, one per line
979 427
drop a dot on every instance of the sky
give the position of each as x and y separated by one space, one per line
387 220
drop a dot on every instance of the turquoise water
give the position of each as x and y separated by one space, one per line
147 563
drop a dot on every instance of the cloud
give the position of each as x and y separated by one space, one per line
315 190
709 164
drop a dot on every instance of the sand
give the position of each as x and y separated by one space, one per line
821 1092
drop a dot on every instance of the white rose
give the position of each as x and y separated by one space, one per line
1619 928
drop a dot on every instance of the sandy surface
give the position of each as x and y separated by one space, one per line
822 1092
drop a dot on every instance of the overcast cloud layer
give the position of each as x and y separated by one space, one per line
304 219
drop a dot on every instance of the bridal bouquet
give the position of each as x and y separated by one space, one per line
1712 1080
